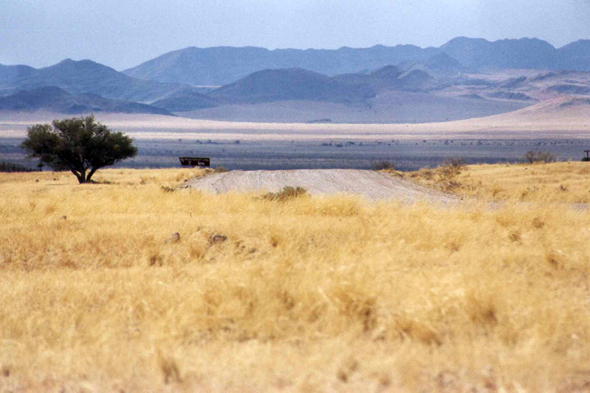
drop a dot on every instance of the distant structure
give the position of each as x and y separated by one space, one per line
587 158
195 161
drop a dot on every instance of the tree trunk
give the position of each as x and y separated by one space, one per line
91 173
80 175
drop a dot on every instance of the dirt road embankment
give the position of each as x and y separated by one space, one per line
371 184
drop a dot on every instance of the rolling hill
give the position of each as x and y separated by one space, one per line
565 113
441 66
389 78
574 89
507 95
54 99
186 101
291 84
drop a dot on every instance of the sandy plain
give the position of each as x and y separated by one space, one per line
554 118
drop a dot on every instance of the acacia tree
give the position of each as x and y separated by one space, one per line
80 145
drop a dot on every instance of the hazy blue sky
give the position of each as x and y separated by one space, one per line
124 33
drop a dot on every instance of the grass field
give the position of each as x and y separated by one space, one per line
561 182
305 295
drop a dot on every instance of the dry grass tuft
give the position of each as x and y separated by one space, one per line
286 194
444 177
5 369
347 370
169 368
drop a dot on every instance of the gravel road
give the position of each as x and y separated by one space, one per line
371 184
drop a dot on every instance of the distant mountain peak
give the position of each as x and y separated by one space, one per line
85 62
463 40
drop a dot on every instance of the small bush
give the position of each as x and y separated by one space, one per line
383 165
427 174
533 157
10 167
452 166
220 169
285 194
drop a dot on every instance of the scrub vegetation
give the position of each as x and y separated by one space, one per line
560 182
122 285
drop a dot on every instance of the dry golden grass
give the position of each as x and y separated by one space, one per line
561 182
311 294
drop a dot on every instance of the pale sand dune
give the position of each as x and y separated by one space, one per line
392 107
562 117
370 184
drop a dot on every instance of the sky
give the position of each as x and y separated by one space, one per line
125 33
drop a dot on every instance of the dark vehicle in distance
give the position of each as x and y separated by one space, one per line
195 161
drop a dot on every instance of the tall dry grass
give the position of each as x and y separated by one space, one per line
309 294
560 182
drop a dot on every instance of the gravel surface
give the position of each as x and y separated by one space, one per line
371 184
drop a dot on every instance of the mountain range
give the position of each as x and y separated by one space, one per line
463 78
86 76
90 79
223 65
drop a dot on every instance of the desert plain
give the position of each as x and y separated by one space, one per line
559 124
138 283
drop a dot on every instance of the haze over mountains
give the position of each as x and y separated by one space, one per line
462 79
222 65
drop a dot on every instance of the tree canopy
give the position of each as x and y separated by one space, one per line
80 145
